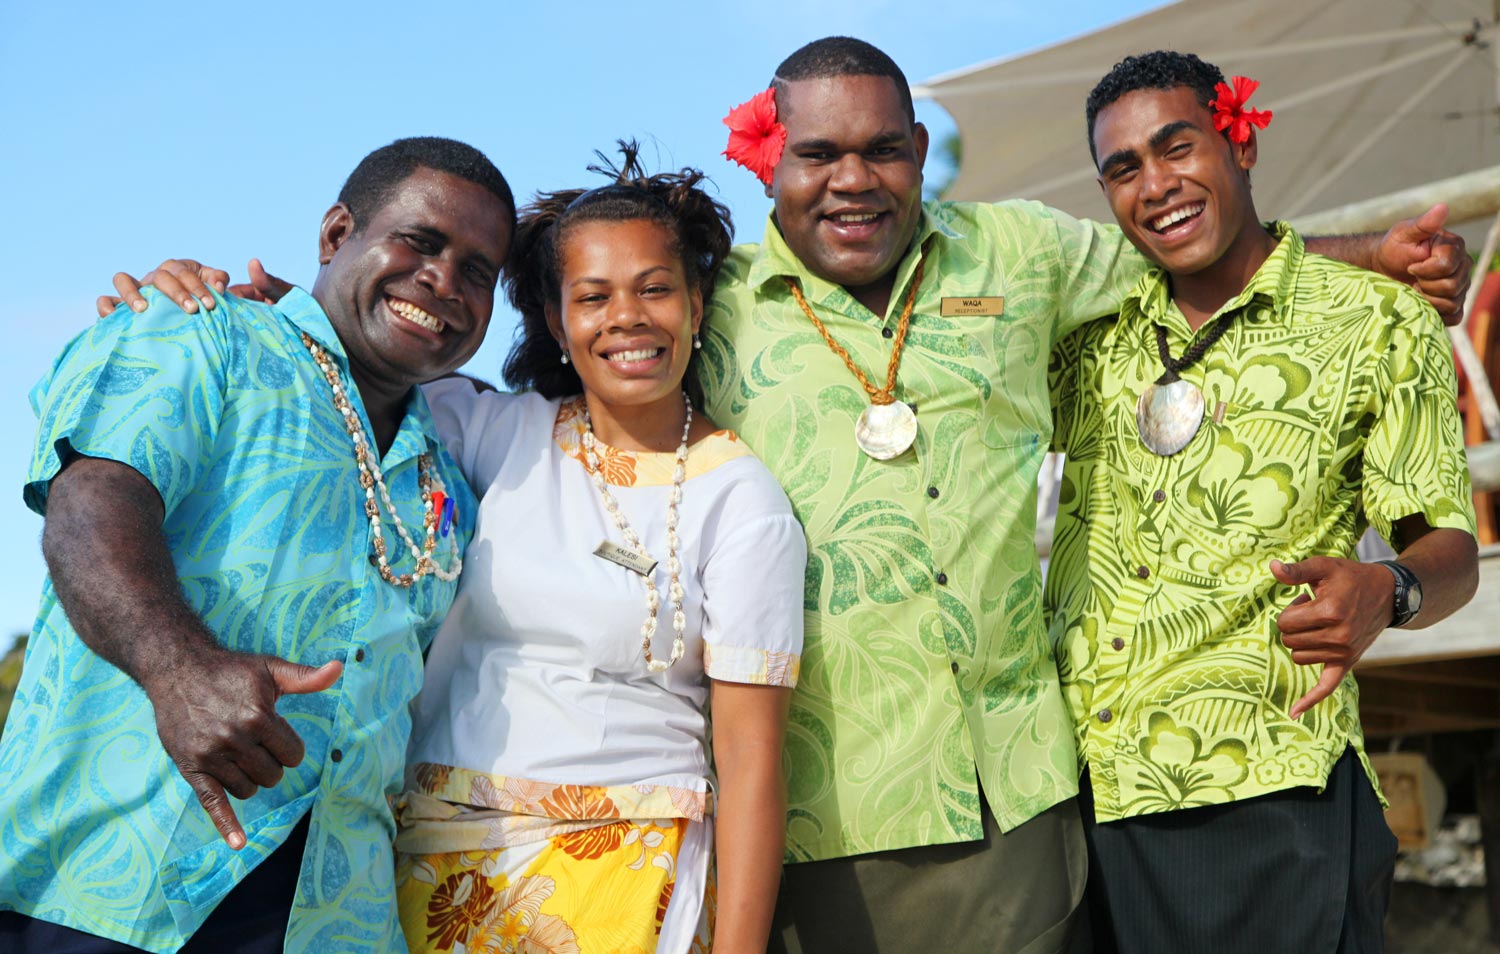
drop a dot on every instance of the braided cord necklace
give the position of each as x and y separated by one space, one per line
887 427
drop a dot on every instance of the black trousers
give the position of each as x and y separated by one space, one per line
251 919
1294 870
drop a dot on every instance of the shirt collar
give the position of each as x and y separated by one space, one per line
1272 283
776 260
415 434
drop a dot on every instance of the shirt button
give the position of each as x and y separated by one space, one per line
337 755
359 655
1159 496
954 667
887 333
932 492
1118 643
942 579
1105 715
1142 572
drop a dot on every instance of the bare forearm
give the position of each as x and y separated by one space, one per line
113 573
1358 250
1447 564
750 823
750 837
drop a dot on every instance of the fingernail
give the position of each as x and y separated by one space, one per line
137 306
236 841
190 306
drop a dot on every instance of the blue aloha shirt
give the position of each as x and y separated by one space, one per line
226 413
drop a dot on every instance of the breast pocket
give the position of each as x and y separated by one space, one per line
1260 474
1013 356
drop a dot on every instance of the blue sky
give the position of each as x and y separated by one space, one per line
221 131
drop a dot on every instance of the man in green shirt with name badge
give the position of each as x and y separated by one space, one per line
1229 438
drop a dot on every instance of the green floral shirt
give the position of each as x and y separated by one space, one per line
926 670
1329 406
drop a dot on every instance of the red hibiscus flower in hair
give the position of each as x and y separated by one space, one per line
1230 112
755 137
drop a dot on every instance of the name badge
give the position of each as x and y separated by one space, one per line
629 559
993 306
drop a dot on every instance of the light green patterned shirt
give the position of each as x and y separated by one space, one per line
1329 406
926 670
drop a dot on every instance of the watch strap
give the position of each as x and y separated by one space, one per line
1402 611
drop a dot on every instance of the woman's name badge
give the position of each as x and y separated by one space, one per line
629 559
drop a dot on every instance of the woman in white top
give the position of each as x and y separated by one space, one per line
559 773
560 794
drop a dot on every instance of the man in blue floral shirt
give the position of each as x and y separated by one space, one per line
233 608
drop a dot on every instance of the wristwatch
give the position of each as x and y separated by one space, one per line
1408 601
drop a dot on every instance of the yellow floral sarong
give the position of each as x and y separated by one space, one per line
475 879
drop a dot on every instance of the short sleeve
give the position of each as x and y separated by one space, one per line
1414 459
752 602
472 426
1094 267
146 390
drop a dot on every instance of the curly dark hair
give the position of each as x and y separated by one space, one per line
373 182
842 56
1162 69
533 273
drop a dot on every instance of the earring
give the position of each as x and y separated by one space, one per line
565 357
697 342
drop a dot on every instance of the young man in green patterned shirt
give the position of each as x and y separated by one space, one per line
1229 438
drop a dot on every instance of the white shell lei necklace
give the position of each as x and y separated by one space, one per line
371 478
674 565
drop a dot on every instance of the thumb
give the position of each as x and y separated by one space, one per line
1423 227
1292 574
1333 674
269 285
294 679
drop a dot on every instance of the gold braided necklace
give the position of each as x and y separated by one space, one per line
887 427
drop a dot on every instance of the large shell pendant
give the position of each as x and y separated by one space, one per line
1168 415
885 431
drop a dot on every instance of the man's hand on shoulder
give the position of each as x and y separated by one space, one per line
1350 605
1433 260
188 282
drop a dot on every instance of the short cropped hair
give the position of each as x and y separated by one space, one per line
373 182
1163 69
843 56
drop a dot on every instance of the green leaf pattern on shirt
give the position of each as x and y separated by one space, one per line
1336 389
917 688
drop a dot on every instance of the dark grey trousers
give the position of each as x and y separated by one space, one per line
1294 871
1014 893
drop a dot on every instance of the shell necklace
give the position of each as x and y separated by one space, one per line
1169 412
887 427
674 565
371 478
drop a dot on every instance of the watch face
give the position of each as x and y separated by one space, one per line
1414 598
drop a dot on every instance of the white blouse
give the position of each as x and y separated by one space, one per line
537 672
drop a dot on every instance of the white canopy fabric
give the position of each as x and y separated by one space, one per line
1369 96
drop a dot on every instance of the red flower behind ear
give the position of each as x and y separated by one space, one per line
1230 112
755 137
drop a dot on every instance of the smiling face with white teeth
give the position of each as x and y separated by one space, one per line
1181 191
626 317
410 291
848 189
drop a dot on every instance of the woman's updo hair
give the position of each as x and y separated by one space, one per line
533 272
